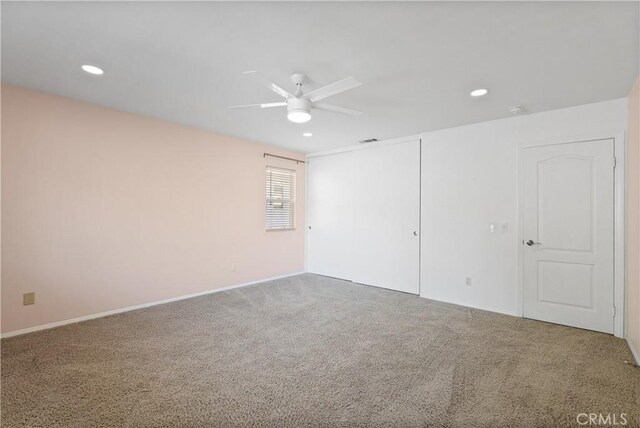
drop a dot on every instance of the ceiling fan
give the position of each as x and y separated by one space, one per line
299 105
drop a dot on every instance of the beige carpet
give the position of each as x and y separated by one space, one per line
314 351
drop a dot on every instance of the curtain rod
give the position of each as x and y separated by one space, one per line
264 155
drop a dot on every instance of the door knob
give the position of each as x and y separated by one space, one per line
531 243
415 233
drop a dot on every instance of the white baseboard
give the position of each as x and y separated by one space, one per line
635 353
133 308
466 305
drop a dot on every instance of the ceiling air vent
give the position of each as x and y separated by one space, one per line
370 140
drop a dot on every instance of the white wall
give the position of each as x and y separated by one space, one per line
469 180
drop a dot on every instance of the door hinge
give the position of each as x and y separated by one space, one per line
614 311
615 161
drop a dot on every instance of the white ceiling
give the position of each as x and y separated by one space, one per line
183 62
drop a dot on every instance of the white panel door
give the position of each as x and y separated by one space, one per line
568 234
330 215
387 217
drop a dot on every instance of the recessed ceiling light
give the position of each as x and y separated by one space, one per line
92 69
479 92
307 134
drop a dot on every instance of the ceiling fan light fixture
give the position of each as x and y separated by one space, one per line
299 116
298 110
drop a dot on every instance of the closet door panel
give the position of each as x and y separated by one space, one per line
387 217
330 217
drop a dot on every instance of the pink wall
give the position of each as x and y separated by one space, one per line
103 209
633 218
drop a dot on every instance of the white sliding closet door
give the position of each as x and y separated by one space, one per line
330 215
387 217
364 216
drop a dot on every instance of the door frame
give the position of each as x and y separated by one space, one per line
619 226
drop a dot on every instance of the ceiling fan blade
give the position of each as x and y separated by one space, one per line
275 88
263 105
337 109
332 89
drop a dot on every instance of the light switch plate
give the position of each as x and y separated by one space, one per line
29 299
504 227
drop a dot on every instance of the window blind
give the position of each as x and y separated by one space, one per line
280 198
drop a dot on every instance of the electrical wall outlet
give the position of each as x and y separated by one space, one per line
467 282
29 299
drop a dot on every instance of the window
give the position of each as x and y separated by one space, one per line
281 185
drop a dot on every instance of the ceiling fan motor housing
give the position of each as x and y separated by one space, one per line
298 104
